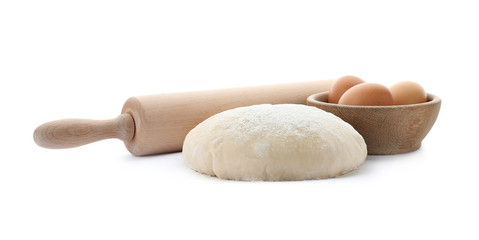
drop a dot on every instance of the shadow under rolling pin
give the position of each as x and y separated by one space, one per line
159 123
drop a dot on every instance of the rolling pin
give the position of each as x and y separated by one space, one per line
159 123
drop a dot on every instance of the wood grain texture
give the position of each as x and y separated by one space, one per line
386 129
69 133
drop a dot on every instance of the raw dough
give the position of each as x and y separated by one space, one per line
274 143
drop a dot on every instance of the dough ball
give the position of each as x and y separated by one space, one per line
274 143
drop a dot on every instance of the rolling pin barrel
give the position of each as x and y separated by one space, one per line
159 123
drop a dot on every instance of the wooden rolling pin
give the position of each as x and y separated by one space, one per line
159 123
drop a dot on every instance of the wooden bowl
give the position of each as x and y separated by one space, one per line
386 129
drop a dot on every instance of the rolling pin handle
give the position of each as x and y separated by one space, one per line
68 133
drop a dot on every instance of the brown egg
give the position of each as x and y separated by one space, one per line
367 94
340 86
408 92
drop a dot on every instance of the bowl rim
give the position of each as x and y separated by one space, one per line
313 99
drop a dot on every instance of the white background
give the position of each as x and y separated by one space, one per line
63 59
